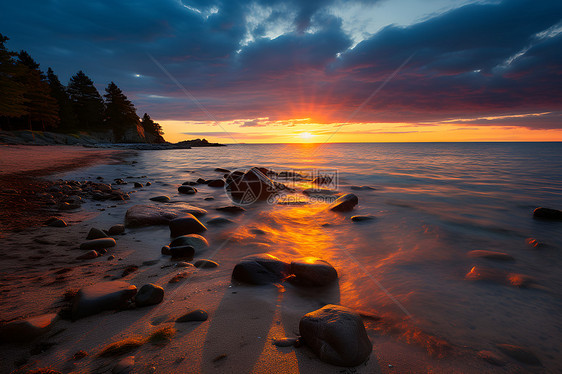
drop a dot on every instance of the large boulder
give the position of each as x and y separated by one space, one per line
344 203
198 242
548 214
151 215
25 330
102 296
312 271
260 269
187 224
337 335
149 294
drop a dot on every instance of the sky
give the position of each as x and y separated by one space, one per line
270 71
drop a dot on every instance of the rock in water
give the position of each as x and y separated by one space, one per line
102 296
161 199
95 234
221 170
249 187
312 271
521 354
233 209
151 215
344 203
198 315
149 294
547 213
337 335
362 188
362 218
205 264
198 242
219 221
491 255
187 190
186 225
216 183
27 329
260 269
98 244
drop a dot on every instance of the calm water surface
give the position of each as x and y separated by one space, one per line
434 202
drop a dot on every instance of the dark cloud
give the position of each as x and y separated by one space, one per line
483 59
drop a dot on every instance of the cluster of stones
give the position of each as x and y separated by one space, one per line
69 194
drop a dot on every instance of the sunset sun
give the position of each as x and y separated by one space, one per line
305 135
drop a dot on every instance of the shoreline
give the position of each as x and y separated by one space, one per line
243 321
24 172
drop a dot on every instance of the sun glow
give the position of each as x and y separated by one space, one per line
305 135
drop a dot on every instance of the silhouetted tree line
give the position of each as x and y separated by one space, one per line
31 100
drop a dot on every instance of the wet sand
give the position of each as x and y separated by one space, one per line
39 266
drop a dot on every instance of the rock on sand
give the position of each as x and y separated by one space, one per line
27 329
151 215
312 271
149 294
337 335
102 296
260 269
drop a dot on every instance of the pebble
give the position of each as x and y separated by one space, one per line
362 218
234 209
345 203
186 225
98 244
161 199
548 214
88 255
491 255
198 315
284 342
56 222
182 252
188 190
219 221
149 294
205 264
95 234
116 229
216 183
124 366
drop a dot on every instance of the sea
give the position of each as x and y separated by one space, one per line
431 204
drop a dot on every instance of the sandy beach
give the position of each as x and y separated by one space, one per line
40 273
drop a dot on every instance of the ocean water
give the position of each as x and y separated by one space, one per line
433 203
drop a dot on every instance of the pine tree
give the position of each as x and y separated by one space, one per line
68 121
120 113
42 108
12 90
152 129
87 102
